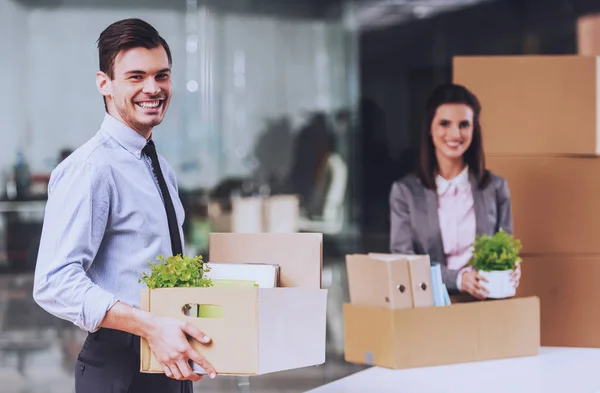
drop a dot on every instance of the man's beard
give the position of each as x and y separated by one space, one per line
131 118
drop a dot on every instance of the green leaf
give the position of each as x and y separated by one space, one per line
176 271
497 252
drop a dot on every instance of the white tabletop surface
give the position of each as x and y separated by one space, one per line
555 370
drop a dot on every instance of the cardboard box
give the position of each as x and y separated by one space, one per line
262 330
389 281
588 35
273 214
430 336
555 202
535 104
567 286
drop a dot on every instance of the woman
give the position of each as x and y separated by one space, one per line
453 197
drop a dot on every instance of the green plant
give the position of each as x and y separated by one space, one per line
177 271
497 252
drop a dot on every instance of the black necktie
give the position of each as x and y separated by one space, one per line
150 151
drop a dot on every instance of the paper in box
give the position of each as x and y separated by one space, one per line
262 330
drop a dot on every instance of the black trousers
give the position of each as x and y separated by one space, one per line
109 362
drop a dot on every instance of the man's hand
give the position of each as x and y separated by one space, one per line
168 341
166 338
471 283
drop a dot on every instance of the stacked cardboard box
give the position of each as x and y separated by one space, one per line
391 320
541 131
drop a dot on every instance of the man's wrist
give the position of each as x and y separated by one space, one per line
129 319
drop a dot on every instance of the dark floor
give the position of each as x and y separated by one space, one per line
37 351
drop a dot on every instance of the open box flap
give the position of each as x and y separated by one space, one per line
297 254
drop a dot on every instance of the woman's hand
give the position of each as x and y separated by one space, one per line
472 284
516 275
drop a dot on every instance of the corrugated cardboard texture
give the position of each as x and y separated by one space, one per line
389 281
432 336
555 202
531 103
569 293
298 254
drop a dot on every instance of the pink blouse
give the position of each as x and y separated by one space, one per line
456 215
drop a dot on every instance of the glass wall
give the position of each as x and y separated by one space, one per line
262 92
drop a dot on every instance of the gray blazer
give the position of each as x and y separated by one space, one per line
415 228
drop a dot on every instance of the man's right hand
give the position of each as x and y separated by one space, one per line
168 341
471 283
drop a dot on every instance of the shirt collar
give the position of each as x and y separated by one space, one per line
124 135
461 182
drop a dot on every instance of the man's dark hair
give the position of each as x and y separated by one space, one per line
123 35
474 156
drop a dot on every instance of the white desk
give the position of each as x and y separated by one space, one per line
555 370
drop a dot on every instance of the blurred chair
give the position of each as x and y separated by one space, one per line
332 220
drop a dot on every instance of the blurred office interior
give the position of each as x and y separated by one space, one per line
287 115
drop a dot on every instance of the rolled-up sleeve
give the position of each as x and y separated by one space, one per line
75 220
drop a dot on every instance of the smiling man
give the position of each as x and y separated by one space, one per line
112 207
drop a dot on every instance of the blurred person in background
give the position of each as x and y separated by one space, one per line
452 198
113 205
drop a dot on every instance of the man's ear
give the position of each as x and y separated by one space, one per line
103 83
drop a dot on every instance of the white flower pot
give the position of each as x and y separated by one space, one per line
499 285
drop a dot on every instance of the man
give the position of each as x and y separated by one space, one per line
112 207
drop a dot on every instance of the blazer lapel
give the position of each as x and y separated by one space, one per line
436 245
479 206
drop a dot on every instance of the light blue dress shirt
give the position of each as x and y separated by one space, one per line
104 220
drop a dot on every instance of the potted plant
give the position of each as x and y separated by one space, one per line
495 257
181 272
176 271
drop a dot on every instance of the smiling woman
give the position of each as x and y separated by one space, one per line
453 197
